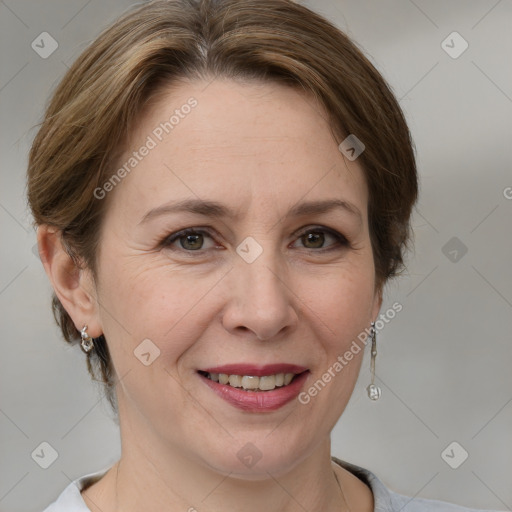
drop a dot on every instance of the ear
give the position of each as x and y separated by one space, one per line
74 286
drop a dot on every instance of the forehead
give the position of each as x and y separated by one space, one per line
240 143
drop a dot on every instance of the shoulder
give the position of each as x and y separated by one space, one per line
70 499
408 504
386 500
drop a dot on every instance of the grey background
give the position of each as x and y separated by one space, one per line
444 361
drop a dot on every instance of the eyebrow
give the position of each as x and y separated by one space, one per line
218 210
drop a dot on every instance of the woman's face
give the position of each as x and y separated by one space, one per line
266 276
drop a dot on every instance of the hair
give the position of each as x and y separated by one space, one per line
92 111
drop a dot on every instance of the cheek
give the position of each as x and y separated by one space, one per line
144 296
342 297
344 307
151 300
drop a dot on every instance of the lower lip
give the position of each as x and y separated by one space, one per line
258 401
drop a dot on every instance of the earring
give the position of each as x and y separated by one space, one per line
374 391
87 342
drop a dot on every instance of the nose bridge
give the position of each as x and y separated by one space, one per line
263 279
261 299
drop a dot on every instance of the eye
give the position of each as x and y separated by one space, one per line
193 240
189 239
314 238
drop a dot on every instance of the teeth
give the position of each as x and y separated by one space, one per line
250 382
268 382
288 378
235 381
223 378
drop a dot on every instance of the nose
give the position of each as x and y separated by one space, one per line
260 301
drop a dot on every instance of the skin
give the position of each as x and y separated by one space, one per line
258 148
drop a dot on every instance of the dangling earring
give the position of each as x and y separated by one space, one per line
87 342
374 391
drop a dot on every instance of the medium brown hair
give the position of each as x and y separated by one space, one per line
91 114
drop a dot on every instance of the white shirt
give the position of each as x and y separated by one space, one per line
70 500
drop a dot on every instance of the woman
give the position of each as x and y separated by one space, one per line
222 190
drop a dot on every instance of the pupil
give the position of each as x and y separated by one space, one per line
192 239
315 237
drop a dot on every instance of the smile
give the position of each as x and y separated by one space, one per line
252 382
254 388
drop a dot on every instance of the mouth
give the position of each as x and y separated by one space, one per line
252 382
256 388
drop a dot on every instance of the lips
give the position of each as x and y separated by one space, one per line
256 388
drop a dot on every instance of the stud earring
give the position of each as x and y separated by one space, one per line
374 391
87 342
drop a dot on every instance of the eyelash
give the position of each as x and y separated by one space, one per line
342 241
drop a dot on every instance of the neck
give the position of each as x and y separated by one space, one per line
141 483
137 482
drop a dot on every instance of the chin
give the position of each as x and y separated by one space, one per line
254 460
